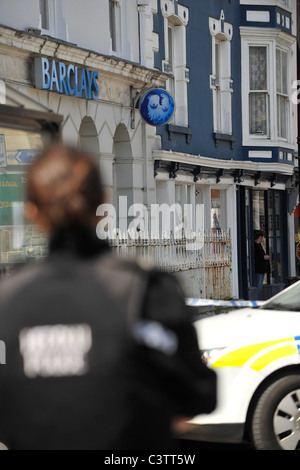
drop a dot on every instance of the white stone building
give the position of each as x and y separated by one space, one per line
111 37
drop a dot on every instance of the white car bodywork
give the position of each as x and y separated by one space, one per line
244 348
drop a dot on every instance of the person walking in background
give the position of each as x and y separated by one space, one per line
261 261
101 353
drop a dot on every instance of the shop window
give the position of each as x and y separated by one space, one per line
20 242
275 236
264 211
185 206
218 210
259 221
45 14
297 238
249 236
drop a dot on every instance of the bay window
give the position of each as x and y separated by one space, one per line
266 93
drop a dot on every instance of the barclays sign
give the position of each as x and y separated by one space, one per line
66 79
157 106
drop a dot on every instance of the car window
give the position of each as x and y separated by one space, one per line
286 300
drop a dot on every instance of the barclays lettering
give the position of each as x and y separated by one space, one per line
66 79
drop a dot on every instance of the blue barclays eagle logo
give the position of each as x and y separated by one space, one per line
157 107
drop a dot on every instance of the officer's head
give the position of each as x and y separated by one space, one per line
64 189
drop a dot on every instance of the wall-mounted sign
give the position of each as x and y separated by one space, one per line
157 107
22 157
67 79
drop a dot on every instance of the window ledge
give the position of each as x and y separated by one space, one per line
219 136
173 129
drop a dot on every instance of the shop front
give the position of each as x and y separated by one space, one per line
23 134
204 193
265 210
238 198
92 100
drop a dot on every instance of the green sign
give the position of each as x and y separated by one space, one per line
12 198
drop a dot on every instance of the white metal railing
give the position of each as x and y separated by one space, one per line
202 260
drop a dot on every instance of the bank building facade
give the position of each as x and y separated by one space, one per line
78 71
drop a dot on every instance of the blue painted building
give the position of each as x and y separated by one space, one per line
230 146
232 142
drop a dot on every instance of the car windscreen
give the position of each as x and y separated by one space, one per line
287 300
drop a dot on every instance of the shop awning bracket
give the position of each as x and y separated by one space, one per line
135 96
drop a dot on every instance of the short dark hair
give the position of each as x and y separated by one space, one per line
65 185
258 233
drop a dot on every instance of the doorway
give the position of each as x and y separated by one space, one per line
264 210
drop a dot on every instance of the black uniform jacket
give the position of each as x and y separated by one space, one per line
100 353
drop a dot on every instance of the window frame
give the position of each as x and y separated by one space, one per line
217 92
28 121
222 91
285 96
52 12
222 107
179 75
115 26
256 139
171 83
265 92
273 40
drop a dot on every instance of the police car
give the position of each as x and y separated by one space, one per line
256 356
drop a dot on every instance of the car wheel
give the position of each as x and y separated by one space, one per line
276 418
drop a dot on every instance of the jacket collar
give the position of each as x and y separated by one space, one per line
80 242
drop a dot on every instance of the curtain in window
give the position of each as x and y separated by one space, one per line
258 98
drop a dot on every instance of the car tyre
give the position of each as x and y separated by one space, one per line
275 422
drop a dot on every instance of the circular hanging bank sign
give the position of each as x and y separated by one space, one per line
157 107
